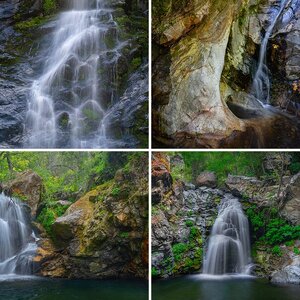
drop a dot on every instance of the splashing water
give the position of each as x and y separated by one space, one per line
17 240
66 106
229 243
261 81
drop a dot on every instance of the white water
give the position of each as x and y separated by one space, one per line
261 81
17 240
65 105
228 249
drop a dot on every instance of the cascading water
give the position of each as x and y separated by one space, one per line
261 81
17 240
228 249
65 103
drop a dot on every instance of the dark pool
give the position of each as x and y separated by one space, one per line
195 287
49 289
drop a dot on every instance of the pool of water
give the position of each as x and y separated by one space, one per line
197 287
30 288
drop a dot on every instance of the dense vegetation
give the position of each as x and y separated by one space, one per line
224 163
66 175
270 229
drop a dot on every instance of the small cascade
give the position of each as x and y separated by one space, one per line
68 102
17 240
228 249
261 81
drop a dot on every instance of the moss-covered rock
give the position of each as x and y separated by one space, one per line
104 233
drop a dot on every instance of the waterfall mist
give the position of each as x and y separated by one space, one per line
261 82
66 105
17 240
228 249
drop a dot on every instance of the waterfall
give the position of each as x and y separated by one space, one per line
228 249
65 104
261 81
17 240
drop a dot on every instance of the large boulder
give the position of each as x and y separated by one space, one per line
254 190
208 179
289 274
104 233
27 186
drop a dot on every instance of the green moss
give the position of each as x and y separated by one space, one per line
115 191
20 196
154 272
49 6
189 223
124 235
31 23
90 114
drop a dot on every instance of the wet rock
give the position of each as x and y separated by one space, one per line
289 275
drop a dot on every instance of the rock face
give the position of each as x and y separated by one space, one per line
27 29
291 209
27 186
286 197
161 178
181 221
104 234
290 274
204 55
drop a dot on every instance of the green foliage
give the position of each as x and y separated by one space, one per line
135 63
296 251
115 191
222 163
290 243
270 228
278 231
124 235
194 233
31 23
189 223
276 250
49 6
154 272
49 214
295 163
256 218
178 250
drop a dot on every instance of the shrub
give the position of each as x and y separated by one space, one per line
178 250
115 191
189 223
277 251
